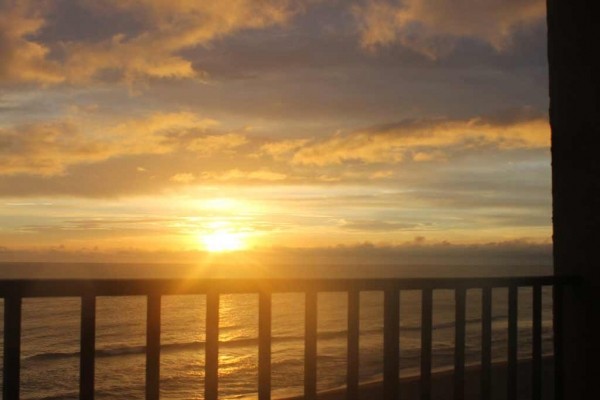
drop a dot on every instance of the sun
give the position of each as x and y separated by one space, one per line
222 240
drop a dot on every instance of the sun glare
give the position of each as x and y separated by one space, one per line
220 241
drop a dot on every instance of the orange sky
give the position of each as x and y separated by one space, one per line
189 126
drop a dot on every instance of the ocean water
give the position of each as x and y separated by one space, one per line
50 341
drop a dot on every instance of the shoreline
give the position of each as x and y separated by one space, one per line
442 384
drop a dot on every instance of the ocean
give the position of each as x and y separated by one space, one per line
50 336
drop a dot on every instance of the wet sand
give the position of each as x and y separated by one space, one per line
442 384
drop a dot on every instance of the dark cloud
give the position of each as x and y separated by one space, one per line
517 257
432 26
87 21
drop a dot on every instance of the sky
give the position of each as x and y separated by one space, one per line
180 127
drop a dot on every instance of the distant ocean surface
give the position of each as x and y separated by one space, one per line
50 338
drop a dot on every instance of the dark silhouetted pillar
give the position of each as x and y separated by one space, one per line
573 50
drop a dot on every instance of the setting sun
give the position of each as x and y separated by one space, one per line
220 241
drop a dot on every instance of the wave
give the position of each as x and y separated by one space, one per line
472 321
166 347
241 342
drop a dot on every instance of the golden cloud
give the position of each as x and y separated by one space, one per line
426 25
151 52
172 26
238 175
49 148
22 59
184 177
207 145
281 150
422 141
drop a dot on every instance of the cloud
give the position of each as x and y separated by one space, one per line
149 47
151 152
49 148
425 140
137 40
372 225
418 258
139 225
214 143
280 150
510 254
23 59
171 28
184 177
430 27
262 174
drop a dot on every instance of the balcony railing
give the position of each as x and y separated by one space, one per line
13 291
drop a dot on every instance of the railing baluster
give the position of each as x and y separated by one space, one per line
486 343
12 348
14 291
211 376
557 324
536 375
310 346
153 347
353 349
513 292
459 346
391 343
87 347
426 334
264 346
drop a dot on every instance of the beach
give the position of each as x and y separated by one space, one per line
442 384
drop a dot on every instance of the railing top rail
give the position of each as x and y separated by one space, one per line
129 287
